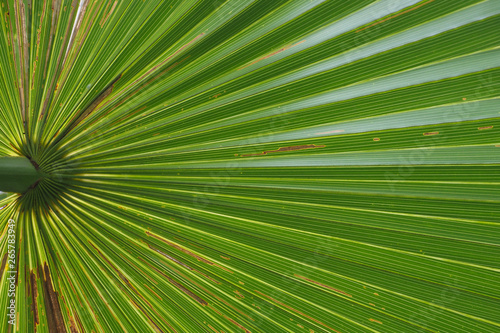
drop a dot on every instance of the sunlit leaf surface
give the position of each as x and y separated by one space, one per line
253 166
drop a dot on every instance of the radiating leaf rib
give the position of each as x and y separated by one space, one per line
252 165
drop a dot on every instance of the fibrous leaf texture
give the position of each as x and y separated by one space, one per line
252 165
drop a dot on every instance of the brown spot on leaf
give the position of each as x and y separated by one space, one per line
484 128
376 139
375 321
240 296
322 285
431 133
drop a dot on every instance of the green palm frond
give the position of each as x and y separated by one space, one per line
250 165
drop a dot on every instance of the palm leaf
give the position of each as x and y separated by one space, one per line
252 165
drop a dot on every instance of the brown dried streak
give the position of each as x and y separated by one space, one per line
297 311
240 295
182 288
272 54
154 68
4 261
52 306
83 8
79 322
151 290
110 12
220 314
122 277
393 16
62 53
322 285
171 258
282 149
34 297
93 105
182 264
180 248
237 324
157 329
42 16
72 326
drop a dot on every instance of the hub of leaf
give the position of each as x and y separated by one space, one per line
18 174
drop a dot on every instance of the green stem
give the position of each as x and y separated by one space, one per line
17 174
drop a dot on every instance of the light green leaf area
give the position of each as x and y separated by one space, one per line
252 165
